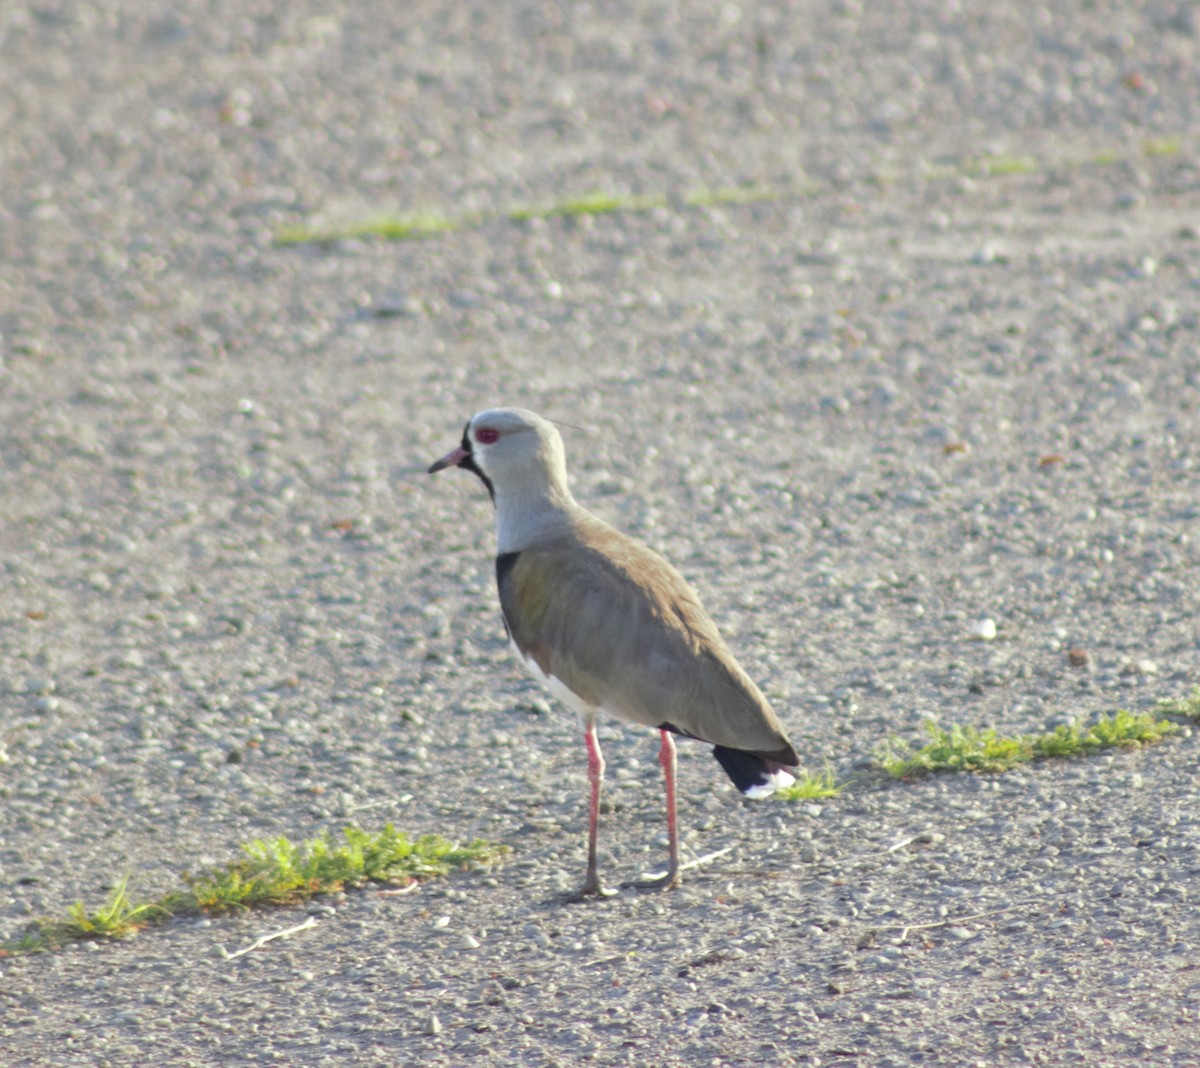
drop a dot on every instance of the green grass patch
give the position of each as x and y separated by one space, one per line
386 227
117 917
730 194
1123 729
416 226
956 749
276 872
971 749
1162 146
812 785
1184 707
1000 165
590 204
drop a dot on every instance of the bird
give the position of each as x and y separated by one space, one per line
610 626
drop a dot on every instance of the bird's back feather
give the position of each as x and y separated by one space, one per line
622 629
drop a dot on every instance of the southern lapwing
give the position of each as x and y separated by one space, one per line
609 625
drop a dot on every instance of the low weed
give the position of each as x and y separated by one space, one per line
812 785
117 917
1183 707
730 194
999 165
972 749
387 227
415 226
275 872
1162 146
956 749
598 203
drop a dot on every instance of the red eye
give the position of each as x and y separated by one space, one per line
485 435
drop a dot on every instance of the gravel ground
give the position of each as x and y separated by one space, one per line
902 396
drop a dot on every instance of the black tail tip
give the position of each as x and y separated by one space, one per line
754 775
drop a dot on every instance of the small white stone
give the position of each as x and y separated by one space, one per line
433 1026
983 630
468 941
440 922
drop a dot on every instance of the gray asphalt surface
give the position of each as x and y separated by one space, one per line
913 390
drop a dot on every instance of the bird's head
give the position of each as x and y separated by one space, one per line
510 447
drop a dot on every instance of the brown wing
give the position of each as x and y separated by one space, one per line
619 626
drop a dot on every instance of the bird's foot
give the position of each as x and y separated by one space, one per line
589 889
671 878
666 881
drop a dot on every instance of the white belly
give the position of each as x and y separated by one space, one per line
558 689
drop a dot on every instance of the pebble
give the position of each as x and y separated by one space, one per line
983 630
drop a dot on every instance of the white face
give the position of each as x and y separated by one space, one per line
519 457
504 437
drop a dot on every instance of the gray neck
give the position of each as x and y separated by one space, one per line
527 514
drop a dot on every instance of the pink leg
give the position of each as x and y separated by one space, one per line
591 884
666 757
596 781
